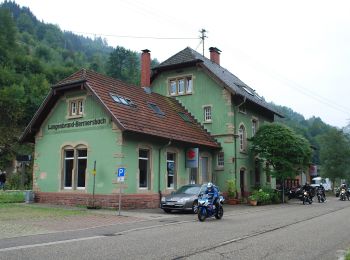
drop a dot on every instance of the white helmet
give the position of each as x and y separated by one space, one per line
209 185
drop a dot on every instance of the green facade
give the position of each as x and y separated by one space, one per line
226 120
108 146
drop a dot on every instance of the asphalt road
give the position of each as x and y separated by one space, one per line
290 231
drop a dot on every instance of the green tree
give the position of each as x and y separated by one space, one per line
335 155
282 149
123 64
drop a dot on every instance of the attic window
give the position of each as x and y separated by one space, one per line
156 109
180 86
123 100
185 117
76 107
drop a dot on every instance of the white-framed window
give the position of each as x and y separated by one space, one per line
188 84
180 86
242 138
171 170
76 107
144 168
207 113
254 126
74 168
220 159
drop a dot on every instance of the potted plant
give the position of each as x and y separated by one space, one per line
231 192
259 197
253 200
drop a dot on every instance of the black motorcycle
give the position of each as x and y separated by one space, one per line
343 195
306 198
320 196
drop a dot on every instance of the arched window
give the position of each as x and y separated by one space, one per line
242 138
74 167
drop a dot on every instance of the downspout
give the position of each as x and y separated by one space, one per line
235 136
159 155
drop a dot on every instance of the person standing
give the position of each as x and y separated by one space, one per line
2 179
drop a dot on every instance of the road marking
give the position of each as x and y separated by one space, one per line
48 244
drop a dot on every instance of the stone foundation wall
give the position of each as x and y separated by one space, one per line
129 201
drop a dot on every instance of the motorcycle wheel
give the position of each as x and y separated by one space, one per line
219 213
310 201
202 214
304 200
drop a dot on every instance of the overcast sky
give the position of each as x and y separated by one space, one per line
293 53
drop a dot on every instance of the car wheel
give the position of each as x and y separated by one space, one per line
195 207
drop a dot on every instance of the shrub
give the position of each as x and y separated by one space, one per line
11 196
263 196
231 188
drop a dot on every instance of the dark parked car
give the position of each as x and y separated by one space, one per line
185 198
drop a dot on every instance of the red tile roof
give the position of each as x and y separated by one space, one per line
141 118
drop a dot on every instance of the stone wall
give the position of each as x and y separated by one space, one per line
129 201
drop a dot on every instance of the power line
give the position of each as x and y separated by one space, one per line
136 37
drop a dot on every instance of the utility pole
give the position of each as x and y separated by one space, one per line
202 37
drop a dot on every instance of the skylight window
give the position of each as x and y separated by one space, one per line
123 100
156 109
116 99
185 117
250 92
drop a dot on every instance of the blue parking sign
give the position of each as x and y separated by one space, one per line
121 172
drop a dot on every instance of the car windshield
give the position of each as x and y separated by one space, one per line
188 190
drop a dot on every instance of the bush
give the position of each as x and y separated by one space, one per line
11 196
265 195
231 188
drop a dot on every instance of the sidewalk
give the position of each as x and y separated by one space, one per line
89 218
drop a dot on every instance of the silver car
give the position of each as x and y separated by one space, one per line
184 199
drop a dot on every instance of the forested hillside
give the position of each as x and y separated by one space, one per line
35 55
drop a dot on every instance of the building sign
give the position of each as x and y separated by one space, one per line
192 156
313 170
76 124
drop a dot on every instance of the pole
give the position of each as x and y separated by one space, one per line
120 197
93 188
203 36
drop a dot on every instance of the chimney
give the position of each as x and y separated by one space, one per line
215 55
145 68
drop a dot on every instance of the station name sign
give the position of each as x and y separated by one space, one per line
75 124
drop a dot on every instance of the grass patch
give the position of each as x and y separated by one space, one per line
347 256
22 211
11 196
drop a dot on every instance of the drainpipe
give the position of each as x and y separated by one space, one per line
236 108
159 154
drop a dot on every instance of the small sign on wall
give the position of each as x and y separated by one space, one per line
121 174
192 158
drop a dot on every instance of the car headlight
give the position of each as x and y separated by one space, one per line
162 199
183 200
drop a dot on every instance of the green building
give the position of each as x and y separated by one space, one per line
187 123
230 110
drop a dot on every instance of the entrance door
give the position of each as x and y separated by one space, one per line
194 176
242 175
204 169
